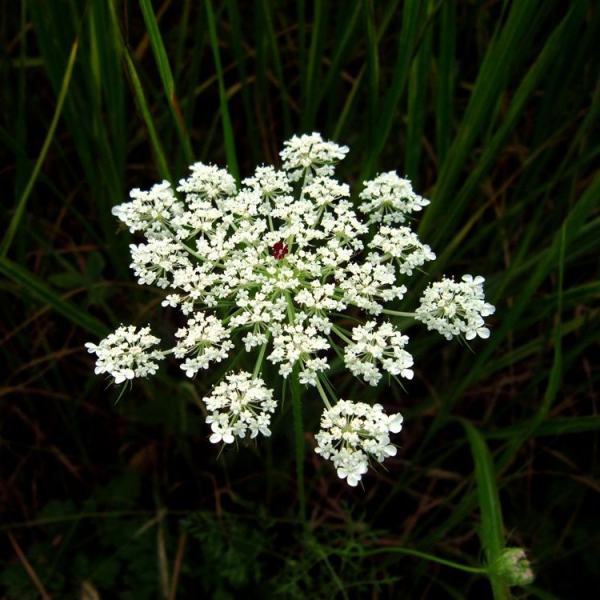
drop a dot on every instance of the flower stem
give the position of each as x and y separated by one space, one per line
397 313
323 394
342 335
299 441
259 360
429 557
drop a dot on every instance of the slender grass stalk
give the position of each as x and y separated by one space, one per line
444 81
166 76
313 65
505 50
267 10
417 101
372 61
22 201
408 38
159 154
230 150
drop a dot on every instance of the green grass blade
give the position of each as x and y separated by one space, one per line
546 260
46 296
341 49
241 60
158 47
372 61
344 114
267 8
543 64
22 202
444 82
230 147
166 75
417 104
552 427
138 90
408 37
503 53
159 154
312 68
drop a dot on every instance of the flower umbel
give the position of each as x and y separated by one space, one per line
378 345
352 433
288 269
238 406
127 353
454 308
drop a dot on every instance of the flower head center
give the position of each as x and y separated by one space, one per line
279 250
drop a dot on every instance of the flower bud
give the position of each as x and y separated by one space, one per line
514 567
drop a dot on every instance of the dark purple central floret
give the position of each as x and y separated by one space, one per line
279 250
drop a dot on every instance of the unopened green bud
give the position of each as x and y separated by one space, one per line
514 567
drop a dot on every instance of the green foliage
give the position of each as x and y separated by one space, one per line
492 108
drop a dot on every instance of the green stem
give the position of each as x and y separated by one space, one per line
199 256
397 313
430 557
341 334
259 360
323 394
299 441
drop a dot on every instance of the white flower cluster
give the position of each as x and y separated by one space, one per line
375 345
127 353
390 199
310 155
205 339
404 245
454 308
352 433
277 266
238 406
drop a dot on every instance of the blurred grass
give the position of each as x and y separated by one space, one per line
491 107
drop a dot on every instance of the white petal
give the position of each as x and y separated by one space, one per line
390 450
395 424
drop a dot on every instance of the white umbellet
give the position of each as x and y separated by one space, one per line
239 406
354 433
455 308
127 353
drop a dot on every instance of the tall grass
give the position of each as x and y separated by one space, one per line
492 108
